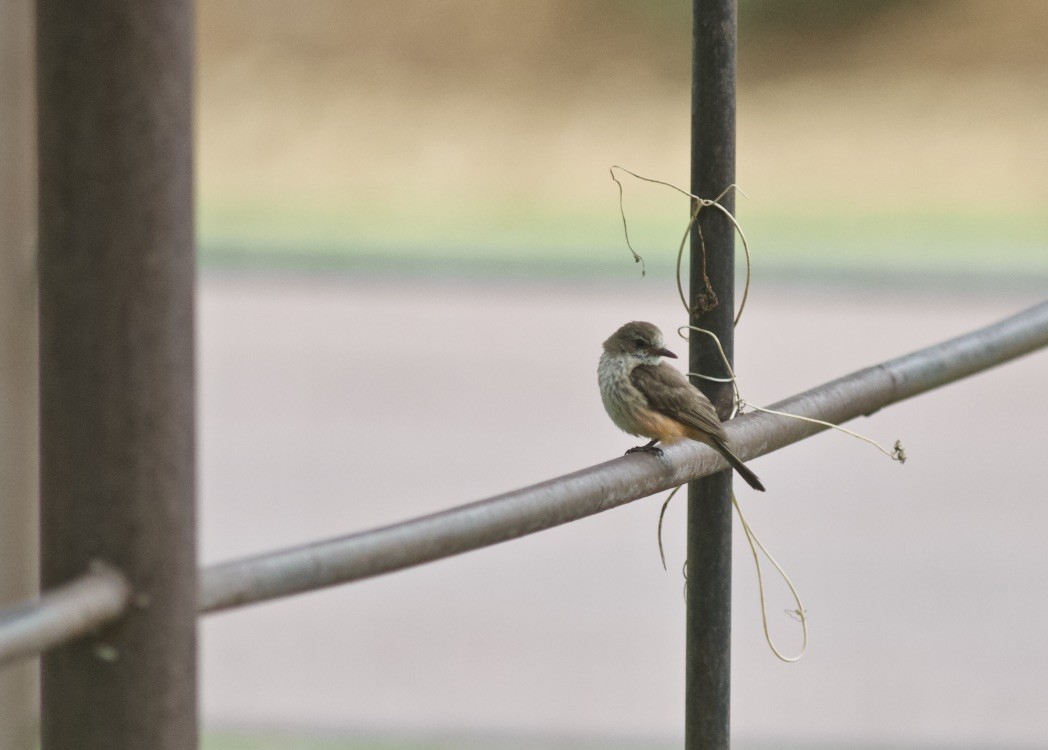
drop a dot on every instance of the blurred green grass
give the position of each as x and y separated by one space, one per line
546 241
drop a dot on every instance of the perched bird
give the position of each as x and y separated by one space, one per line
645 396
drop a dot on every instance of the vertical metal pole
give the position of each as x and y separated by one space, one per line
116 361
708 629
18 354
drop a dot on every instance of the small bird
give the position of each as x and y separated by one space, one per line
645 396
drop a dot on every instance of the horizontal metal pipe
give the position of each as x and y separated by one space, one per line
62 614
613 483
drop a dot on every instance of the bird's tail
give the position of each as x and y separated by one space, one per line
739 466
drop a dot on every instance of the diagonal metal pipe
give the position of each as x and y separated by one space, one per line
604 486
70 611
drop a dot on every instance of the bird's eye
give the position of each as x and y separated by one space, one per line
641 343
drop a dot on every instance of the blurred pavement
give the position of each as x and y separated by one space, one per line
334 406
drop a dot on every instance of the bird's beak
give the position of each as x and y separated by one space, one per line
666 353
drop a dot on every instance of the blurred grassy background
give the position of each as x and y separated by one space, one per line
428 136
319 741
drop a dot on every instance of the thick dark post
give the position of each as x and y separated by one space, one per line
116 357
708 653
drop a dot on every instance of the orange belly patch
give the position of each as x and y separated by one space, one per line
661 427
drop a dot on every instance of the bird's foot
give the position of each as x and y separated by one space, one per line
653 450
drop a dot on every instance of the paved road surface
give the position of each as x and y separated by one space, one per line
336 406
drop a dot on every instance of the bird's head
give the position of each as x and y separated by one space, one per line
640 341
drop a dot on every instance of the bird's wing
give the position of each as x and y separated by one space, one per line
669 392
